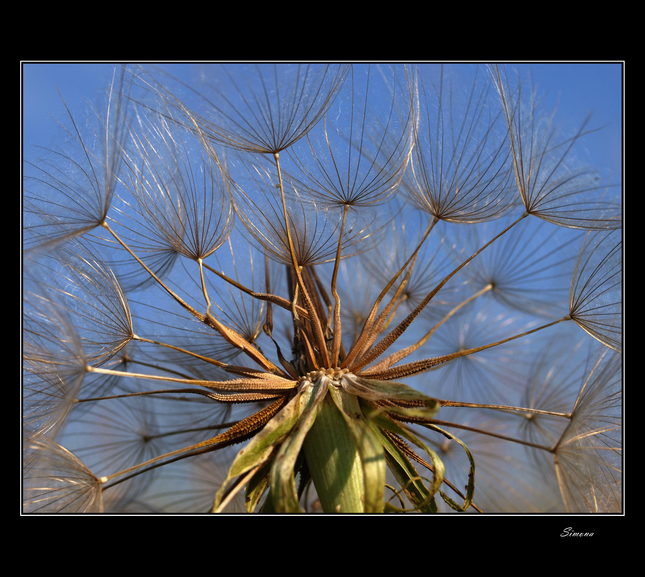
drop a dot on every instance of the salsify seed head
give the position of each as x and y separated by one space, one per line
348 288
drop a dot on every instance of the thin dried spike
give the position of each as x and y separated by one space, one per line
327 301
321 286
300 331
388 340
335 350
403 353
313 290
445 403
241 343
414 419
237 398
318 333
421 366
491 434
311 356
504 408
405 448
204 291
311 293
236 434
232 336
294 312
388 313
179 349
248 385
325 297
300 327
254 422
268 322
184 304
248 372
241 397
271 298
384 318
238 385
358 345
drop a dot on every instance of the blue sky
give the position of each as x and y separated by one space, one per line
581 88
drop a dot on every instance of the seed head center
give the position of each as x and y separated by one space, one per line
334 374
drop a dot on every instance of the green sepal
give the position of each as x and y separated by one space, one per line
369 448
334 462
438 467
408 478
389 508
261 447
375 390
470 488
451 503
267 506
282 476
256 487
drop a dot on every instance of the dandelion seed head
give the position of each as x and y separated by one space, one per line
280 287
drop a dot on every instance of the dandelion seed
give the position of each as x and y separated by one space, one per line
53 361
588 454
261 108
69 191
551 184
179 188
56 481
360 150
459 169
596 288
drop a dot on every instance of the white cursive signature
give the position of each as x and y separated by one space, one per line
569 532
